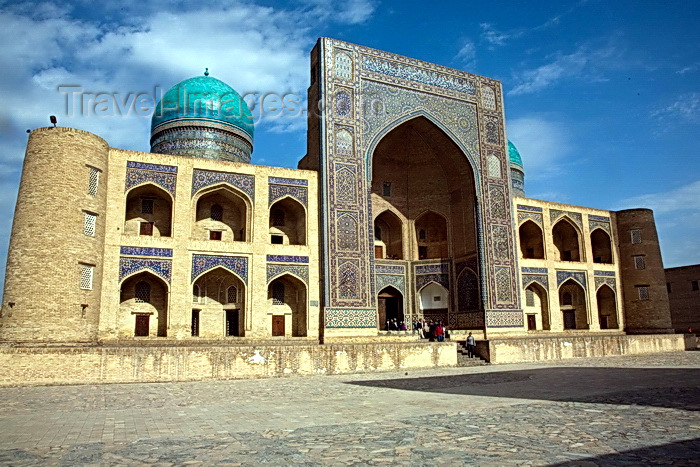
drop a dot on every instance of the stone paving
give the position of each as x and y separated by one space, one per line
633 410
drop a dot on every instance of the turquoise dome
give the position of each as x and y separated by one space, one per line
203 117
514 156
204 98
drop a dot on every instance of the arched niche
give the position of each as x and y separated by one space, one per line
287 222
572 302
389 308
148 211
601 246
536 305
287 305
221 214
221 304
388 236
567 241
143 306
607 307
531 240
434 300
417 166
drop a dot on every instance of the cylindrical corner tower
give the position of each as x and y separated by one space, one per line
643 278
54 263
517 173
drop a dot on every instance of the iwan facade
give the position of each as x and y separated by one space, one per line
408 204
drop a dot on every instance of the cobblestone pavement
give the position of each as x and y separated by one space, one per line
636 410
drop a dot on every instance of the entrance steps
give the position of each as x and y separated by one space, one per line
463 358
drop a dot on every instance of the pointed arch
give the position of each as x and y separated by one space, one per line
601 246
287 221
220 312
288 304
434 245
390 308
388 237
536 304
531 240
574 311
148 211
143 305
567 240
468 296
236 212
607 307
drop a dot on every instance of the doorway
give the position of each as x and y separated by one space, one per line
141 326
232 323
278 325
390 309
569 319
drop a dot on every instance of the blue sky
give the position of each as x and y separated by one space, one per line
602 98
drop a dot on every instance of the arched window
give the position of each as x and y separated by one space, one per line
142 292
195 294
278 218
567 299
278 293
232 294
217 212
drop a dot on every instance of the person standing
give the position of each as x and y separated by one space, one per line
471 345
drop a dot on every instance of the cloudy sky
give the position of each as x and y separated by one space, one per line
602 98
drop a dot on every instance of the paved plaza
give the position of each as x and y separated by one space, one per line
635 410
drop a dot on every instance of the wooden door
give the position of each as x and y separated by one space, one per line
141 326
569 319
278 325
378 251
382 314
531 323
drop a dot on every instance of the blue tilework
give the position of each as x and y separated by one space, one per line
604 273
578 276
389 268
412 73
160 267
534 270
598 218
423 279
396 281
204 178
522 207
146 251
504 318
136 177
236 264
276 270
433 268
350 317
287 181
287 259
153 167
541 279
279 191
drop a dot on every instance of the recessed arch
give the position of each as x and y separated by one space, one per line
390 309
574 310
287 222
227 201
220 268
607 307
148 211
434 301
567 240
536 304
601 246
143 305
388 235
434 244
287 306
221 313
531 240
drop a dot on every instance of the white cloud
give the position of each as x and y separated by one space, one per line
583 62
684 198
685 107
343 11
467 54
543 144
495 37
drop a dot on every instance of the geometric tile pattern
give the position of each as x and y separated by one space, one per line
593 224
276 270
535 270
468 297
236 264
578 276
350 317
396 281
419 75
138 173
203 178
604 273
278 191
146 251
541 279
555 214
433 268
503 285
389 269
522 207
160 267
504 319
288 181
442 279
605 280
527 215
287 259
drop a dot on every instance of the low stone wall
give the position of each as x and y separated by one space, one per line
532 349
26 365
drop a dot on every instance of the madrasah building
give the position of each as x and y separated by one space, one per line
410 203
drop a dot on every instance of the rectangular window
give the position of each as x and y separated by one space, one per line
386 189
215 235
694 285
529 297
86 277
146 206
94 181
643 292
146 228
636 235
195 323
277 239
639 262
90 224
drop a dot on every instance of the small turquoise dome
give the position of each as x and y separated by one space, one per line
203 117
514 156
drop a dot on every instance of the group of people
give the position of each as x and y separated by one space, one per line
431 330
395 325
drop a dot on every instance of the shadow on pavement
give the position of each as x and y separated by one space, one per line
677 388
678 453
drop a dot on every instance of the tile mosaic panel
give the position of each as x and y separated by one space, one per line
277 192
153 167
236 264
578 276
348 272
503 285
343 65
347 232
276 270
610 281
413 73
522 207
423 279
287 259
499 238
598 218
205 178
160 267
504 319
146 251
433 268
396 281
288 181
555 214
344 143
135 176
534 270
541 279
343 103
380 268
604 273
533 216
350 317
468 297
497 199
488 97
345 186
593 224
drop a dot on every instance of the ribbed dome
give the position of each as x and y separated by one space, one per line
203 117
514 156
